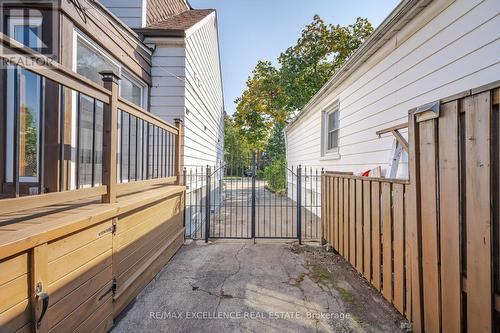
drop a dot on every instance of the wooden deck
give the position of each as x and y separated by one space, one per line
92 258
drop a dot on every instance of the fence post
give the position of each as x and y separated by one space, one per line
110 136
207 204
299 204
184 177
179 154
323 207
253 195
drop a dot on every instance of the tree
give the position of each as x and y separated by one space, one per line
259 107
273 94
319 53
236 149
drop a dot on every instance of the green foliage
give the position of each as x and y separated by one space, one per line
319 53
273 95
275 175
236 149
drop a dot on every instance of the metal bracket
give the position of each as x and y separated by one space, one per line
428 111
44 297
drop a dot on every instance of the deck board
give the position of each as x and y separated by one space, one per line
22 230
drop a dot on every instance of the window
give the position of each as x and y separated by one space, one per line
333 130
132 90
90 61
330 131
24 104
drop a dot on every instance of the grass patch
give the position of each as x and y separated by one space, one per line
322 275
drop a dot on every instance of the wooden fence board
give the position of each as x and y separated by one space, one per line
478 225
428 202
407 259
449 218
367 220
359 225
346 219
386 224
376 234
335 219
330 210
352 222
341 216
398 245
324 217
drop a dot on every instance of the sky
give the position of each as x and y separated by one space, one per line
253 30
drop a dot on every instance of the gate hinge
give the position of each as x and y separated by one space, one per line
112 290
113 286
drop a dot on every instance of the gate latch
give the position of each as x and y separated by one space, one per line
44 297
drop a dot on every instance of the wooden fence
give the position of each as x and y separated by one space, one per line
430 246
364 220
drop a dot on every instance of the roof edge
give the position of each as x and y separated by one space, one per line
378 38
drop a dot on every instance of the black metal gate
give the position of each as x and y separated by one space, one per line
253 197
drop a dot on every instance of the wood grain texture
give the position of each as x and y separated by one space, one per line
376 262
352 222
341 216
367 230
336 217
413 223
478 224
346 219
386 224
39 277
359 226
428 202
449 218
398 222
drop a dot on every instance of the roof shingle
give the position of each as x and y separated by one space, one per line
182 21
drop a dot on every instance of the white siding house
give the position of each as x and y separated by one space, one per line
185 73
424 51
130 12
186 82
204 121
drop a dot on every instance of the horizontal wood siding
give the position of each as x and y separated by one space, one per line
449 47
15 308
78 265
129 11
168 76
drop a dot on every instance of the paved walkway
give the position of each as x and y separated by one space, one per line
264 287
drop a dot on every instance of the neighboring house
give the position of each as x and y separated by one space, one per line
186 84
423 51
186 75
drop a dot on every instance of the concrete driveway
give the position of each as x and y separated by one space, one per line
264 287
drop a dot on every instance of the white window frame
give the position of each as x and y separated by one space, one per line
13 22
332 153
144 88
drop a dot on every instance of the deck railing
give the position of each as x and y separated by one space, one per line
132 149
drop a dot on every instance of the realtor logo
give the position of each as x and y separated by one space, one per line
32 26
